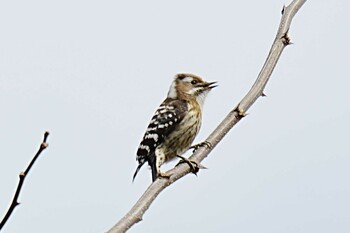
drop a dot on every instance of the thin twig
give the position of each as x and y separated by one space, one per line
22 176
234 116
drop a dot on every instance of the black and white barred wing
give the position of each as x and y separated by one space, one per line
164 121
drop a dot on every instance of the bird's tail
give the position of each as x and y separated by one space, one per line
153 165
152 162
154 171
138 169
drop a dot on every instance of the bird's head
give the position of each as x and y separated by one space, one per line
186 85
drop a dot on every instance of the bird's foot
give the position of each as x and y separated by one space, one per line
164 175
194 166
205 143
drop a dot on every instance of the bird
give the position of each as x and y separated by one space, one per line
175 124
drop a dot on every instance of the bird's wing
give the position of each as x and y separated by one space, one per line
169 114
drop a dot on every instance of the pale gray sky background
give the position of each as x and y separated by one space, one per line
94 72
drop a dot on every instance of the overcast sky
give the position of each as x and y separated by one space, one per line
93 73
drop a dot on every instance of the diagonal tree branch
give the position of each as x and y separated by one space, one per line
233 117
22 176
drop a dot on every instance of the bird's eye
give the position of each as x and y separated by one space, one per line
194 82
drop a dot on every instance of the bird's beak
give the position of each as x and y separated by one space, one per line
211 85
207 86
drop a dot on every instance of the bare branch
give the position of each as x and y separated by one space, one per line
234 116
22 176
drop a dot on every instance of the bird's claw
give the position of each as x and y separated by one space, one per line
205 143
164 175
194 166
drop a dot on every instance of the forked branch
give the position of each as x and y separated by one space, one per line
234 116
22 176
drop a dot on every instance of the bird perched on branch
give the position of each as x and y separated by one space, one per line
175 124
